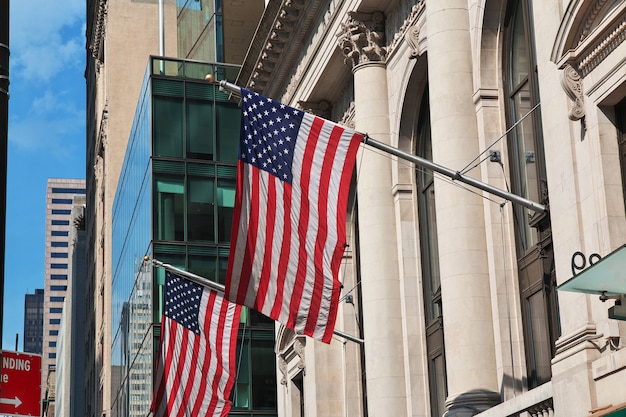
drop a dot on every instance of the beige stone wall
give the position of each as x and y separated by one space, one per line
131 34
477 244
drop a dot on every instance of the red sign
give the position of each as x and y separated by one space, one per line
20 384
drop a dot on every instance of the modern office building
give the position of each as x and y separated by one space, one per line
33 322
464 298
60 195
174 204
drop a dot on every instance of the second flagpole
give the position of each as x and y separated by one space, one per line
222 289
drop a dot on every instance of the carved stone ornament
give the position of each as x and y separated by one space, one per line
322 108
412 39
282 366
573 86
362 38
298 347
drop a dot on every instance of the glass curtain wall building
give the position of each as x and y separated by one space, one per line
174 203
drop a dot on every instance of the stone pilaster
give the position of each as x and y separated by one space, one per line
362 41
467 319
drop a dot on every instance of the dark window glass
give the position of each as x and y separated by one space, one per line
58 276
205 266
56 310
52 344
167 123
169 215
225 208
201 209
62 201
533 237
58 266
431 282
59 211
53 332
58 288
255 388
60 222
55 321
58 255
228 119
200 130
59 244
68 191
59 233
212 267
57 299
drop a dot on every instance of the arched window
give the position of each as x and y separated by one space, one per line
430 266
535 259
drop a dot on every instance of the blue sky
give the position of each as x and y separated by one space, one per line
46 137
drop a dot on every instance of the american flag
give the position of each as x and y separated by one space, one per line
196 364
289 230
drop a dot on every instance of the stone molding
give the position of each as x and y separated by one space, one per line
290 353
576 341
99 30
409 31
573 87
285 24
348 117
102 138
412 39
589 19
603 48
320 108
589 33
471 403
362 38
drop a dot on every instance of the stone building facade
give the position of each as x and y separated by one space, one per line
120 37
455 290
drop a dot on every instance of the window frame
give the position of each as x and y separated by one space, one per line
433 312
535 262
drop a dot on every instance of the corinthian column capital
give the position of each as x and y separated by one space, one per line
362 38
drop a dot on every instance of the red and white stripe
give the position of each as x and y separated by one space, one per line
196 373
288 240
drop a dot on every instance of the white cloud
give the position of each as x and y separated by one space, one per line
46 38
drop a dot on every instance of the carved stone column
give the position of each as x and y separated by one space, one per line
362 42
465 290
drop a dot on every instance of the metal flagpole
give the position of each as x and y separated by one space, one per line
161 29
222 289
454 175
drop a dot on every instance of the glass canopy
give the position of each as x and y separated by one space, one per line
606 277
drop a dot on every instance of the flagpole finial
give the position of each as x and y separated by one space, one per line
209 78
146 258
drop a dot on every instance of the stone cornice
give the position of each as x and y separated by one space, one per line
282 30
409 31
99 27
590 31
